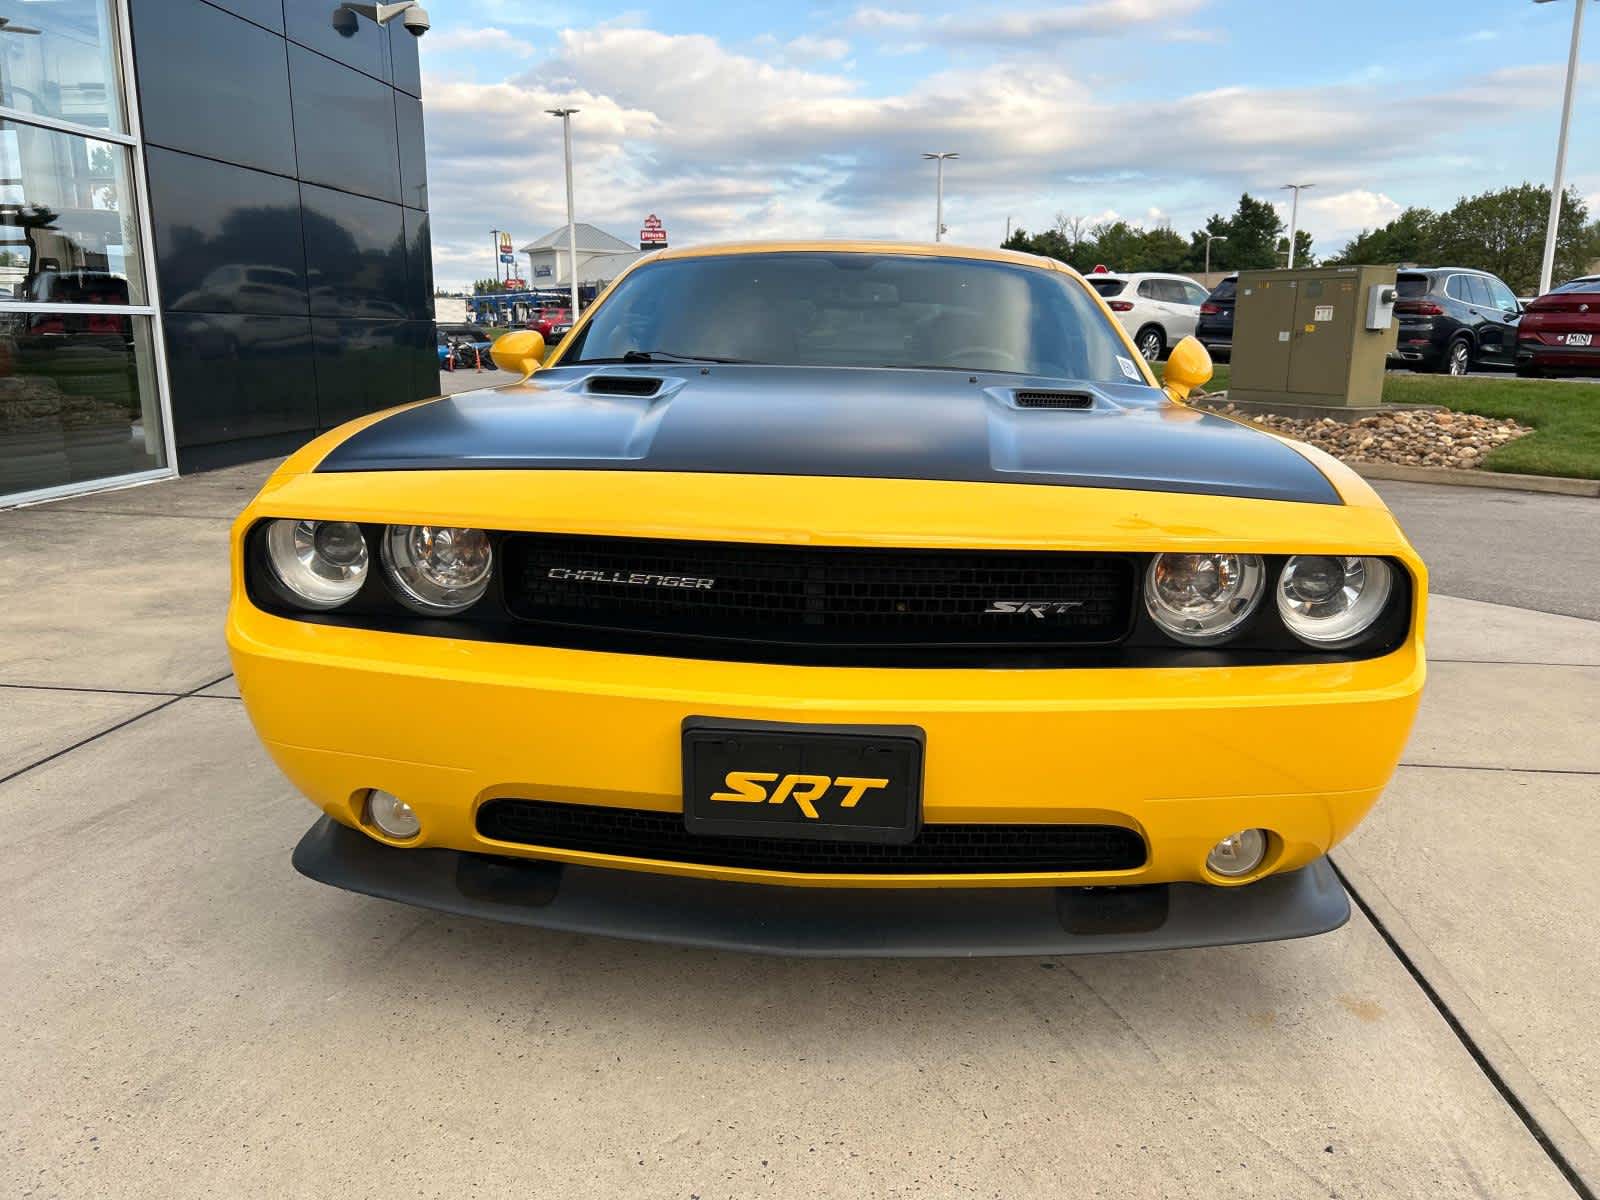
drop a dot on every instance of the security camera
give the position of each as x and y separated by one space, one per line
416 20
345 23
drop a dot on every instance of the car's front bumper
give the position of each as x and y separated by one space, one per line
1184 756
898 923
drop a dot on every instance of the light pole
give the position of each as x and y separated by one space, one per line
1212 237
1547 268
494 235
572 226
1294 215
938 210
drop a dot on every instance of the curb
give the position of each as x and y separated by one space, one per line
1456 477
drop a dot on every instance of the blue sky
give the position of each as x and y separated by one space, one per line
762 120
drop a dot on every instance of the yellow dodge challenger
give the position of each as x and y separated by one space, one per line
833 599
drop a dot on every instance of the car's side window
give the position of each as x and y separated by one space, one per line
1456 288
1194 293
1504 298
1150 289
1478 290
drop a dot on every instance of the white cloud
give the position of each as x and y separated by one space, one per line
727 144
868 19
485 37
807 48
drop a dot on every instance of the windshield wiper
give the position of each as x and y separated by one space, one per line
670 356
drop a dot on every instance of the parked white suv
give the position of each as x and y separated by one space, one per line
1157 310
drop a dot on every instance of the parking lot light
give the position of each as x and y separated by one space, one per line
1294 215
1547 268
938 210
1212 237
572 227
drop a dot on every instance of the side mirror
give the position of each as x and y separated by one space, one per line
1188 366
523 352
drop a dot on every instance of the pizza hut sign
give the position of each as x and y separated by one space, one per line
654 234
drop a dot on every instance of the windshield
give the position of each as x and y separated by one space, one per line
821 308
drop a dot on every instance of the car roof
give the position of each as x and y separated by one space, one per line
1447 271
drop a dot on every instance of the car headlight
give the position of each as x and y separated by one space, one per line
1202 598
437 568
320 564
1326 599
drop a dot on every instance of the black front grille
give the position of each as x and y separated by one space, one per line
820 596
937 850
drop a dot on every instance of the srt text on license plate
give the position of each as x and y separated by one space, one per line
857 783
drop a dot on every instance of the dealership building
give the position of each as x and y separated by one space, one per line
215 228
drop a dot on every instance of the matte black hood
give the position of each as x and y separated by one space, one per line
875 423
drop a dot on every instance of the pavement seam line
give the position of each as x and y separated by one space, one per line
1502 662
94 737
1421 766
95 691
1551 1129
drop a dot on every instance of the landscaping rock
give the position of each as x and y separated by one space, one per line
1417 439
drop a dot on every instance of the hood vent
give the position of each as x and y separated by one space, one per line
1034 398
622 385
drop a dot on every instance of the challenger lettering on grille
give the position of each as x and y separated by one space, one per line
630 578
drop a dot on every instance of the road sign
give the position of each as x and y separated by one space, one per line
514 284
508 258
505 243
654 232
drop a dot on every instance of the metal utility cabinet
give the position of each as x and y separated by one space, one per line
1313 342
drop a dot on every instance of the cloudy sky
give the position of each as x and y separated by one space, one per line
766 120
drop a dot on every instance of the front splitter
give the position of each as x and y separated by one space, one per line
827 923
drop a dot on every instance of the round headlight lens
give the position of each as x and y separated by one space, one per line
1202 598
437 568
321 564
1326 599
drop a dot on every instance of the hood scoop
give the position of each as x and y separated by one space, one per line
1044 398
623 385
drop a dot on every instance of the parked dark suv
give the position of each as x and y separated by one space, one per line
1453 319
1215 327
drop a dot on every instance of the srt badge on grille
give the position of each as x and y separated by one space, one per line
629 578
1037 608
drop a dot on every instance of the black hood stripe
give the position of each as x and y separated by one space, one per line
886 424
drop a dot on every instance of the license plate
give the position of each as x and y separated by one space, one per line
558 330
1580 339
854 783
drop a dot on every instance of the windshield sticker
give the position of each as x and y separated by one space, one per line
1128 369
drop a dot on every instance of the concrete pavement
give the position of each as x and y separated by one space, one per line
186 1016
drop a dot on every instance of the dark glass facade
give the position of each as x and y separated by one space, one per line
288 207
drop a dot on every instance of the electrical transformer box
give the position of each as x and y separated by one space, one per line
1316 340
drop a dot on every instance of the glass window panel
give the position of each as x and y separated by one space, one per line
78 399
68 230
60 60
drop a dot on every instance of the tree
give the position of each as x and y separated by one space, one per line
488 287
1501 232
1410 237
1254 233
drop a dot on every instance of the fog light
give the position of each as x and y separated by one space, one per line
1235 855
392 815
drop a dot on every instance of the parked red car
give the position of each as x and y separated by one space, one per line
553 323
1560 331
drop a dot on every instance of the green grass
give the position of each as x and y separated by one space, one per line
1565 416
